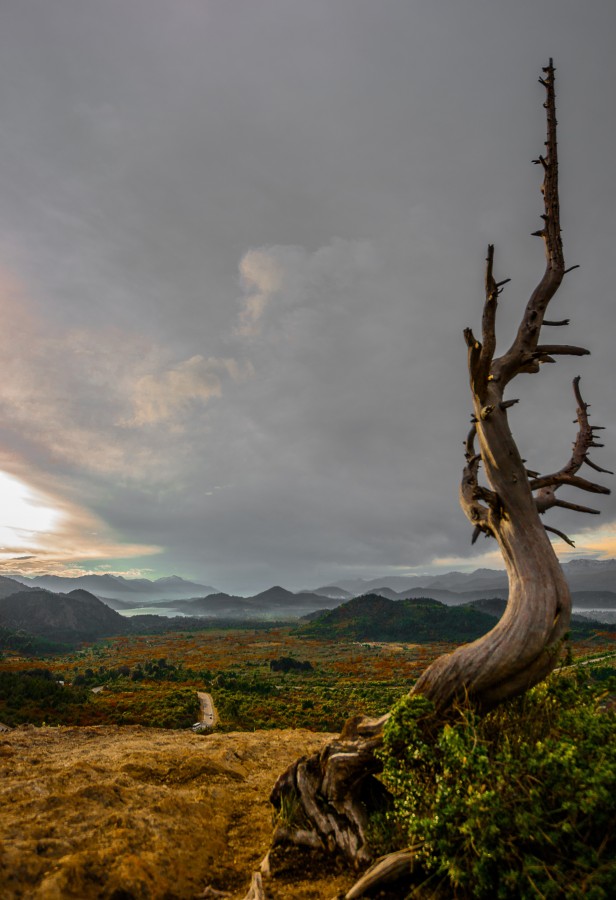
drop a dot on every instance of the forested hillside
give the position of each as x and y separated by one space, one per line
422 620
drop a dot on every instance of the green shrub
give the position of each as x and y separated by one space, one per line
518 804
37 696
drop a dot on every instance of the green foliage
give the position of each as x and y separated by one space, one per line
127 703
289 664
294 700
291 812
518 804
421 620
37 696
28 644
152 670
177 709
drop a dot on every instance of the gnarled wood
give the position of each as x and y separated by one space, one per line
255 891
522 649
387 870
334 791
335 788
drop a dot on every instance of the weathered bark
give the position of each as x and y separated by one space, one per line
334 791
388 869
334 788
255 891
523 647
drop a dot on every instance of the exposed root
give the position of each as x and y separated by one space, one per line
389 869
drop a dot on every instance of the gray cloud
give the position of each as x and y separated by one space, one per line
239 243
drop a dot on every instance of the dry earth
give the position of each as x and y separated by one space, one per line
133 812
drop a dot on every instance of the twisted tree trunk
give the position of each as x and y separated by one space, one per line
336 788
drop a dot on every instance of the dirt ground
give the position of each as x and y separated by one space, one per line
133 812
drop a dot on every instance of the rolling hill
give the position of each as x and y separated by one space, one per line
78 616
416 620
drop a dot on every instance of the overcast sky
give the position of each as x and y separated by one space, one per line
239 242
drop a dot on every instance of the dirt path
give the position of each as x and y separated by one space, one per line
591 661
209 716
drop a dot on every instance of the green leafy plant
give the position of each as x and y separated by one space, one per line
291 813
520 803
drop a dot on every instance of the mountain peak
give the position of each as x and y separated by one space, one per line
586 563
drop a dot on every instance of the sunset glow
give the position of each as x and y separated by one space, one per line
598 543
42 532
28 518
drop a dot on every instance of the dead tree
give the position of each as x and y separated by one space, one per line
335 787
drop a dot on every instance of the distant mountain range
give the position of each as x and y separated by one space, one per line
10 586
450 587
86 607
276 601
425 613
116 587
461 587
79 615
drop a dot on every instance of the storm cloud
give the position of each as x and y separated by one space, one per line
239 243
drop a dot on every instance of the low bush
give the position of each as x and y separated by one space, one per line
520 803
36 696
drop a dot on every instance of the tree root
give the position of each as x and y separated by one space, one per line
324 800
255 891
387 870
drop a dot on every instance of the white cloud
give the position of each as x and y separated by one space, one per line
261 278
83 395
164 395
159 397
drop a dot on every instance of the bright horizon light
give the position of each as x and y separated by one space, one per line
27 515
43 532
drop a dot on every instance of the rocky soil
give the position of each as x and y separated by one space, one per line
133 812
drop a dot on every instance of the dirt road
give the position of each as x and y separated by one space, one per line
209 716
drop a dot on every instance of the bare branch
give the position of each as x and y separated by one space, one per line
474 356
564 504
560 350
488 322
546 499
557 324
561 478
553 248
517 357
561 534
597 468
547 485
